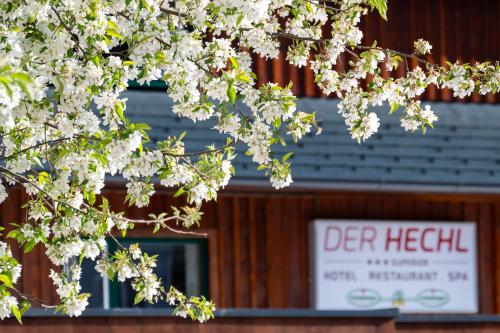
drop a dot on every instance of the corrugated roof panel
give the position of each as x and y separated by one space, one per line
463 149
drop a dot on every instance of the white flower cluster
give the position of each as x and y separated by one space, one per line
459 79
422 46
3 192
8 265
68 288
416 117
10 270
133 264
354 108
195 307
6 304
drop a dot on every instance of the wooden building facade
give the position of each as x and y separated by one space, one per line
258 240
258 259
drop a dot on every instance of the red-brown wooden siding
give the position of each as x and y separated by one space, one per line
220 325
461 30
239 325
258 243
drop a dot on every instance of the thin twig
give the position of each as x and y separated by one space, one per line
33 298
203 152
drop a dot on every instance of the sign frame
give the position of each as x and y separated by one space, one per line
313 260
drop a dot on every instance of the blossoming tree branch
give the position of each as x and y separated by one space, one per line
64 65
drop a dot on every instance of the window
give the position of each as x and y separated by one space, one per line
181 263
153 85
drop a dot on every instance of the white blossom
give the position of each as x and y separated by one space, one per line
422 46
3 192
6 304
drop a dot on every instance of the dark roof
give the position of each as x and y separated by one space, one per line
461 153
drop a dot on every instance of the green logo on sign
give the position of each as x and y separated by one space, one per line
432 298
428 298
363 298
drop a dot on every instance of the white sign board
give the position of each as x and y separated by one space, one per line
424 267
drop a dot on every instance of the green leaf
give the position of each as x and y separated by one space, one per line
287 156
22 77
13 234
309 7
137 299
113 33
234 62
6 280
29 246
119 111
394 107
25 306
16 313
60 84
380 6
58 308
179 192
91 198
142 126
231 93
105 204
113 25
144 4
6 85
243 78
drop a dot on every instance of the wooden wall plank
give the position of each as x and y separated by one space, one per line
252 250
236 238
225 252
440 211
213 270
274 251
293 220
406 209
486 259
307 216
496 249
262 245
241 249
